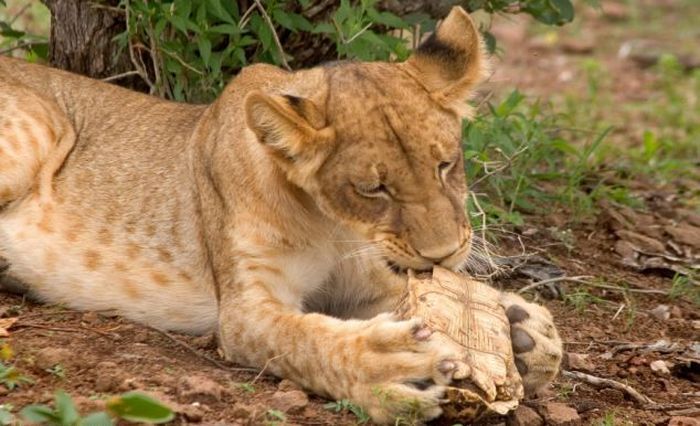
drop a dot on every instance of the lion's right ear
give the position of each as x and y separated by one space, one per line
451 61
292 128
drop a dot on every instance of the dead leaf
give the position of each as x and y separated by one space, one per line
685 234
6 324
642 242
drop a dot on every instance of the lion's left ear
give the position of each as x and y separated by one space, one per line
451 61
292 129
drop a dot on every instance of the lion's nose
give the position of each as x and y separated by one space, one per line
439 253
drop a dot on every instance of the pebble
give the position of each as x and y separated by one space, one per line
200 389
579 362
49 357
559 414
287 385
524 416
659 367
683 421
661 312
291 402
244 411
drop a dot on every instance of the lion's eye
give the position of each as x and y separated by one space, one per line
372 190
444 167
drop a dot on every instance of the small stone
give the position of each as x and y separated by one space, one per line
192 413
559 414
89 404
676 312
129 383
524 416
47 358
579 362
683 421
287 385
291 402
638 360
659 367
200 389
578 46
661 312
106 382
615 11
243 411
91 317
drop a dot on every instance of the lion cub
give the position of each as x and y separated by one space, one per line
284 215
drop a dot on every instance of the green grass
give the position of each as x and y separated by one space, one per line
346 405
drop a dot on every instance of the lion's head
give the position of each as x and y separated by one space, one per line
377 145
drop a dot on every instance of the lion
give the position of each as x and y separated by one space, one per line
284 216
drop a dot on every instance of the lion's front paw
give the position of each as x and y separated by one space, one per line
536 343
400 371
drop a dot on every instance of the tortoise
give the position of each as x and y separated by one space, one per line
465 314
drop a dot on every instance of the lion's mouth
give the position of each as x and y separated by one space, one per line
403 272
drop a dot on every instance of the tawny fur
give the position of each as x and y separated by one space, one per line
259 216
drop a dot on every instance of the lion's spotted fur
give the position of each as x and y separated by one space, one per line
244 216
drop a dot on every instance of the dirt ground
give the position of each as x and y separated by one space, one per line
608 332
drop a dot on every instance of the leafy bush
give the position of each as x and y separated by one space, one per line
518 160
12 39
188 50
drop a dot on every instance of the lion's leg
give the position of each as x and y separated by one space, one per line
35 139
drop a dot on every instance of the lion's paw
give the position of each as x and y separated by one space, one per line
401 371
536 343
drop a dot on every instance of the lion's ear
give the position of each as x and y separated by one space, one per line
451 61
292 128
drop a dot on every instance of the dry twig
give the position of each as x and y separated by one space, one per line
602 382
577 279
199 354
267 364
64 329
120 76
268 21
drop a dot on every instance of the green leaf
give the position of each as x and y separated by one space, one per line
216 9
6 418
183 24
39 414
204 49
281 17
228 29
97 419
261 29
489 40
551 12
183 8
343 12
65 409
507 106
323 28
137 407
7 31
386 18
